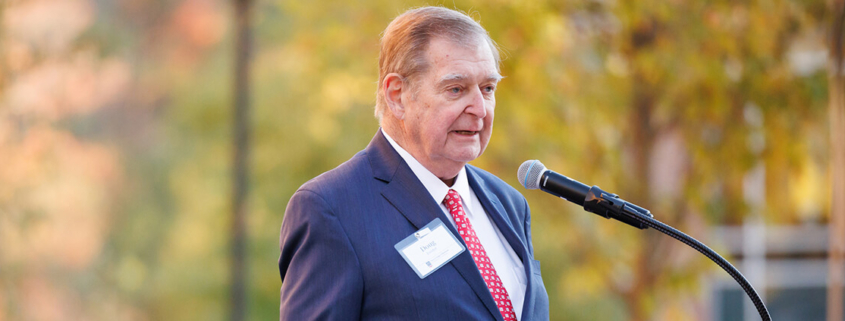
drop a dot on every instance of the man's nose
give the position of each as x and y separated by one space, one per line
476 104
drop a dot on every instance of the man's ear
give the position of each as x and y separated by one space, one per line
393 86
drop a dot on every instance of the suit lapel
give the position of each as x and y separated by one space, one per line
403 190
406 193
408 196
494 208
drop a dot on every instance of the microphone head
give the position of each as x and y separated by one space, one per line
529 173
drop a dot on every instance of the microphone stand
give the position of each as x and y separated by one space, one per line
611 206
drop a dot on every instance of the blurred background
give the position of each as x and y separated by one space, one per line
118 189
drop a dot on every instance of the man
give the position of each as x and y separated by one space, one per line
348 235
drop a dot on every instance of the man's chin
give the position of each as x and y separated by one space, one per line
466 156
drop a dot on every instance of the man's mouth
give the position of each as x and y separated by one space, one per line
466 132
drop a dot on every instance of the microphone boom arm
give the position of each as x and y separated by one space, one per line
610 205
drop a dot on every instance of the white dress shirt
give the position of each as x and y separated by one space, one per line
508 265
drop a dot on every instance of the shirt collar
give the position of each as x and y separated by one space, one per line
431 182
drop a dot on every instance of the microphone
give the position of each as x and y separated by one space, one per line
532 174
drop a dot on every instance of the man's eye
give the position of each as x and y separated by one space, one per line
489 89
455 90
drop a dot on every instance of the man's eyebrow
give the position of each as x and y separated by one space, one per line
495 77
451 78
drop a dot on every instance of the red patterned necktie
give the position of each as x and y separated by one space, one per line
500 294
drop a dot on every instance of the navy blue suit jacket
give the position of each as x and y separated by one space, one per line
338 261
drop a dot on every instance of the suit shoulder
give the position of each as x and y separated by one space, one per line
348 173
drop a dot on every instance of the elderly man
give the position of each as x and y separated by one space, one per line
406 230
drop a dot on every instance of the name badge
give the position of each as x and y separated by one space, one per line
429 248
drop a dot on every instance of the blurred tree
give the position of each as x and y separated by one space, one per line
836 85
241 143
58 187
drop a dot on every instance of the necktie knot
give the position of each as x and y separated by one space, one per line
453 204
452 196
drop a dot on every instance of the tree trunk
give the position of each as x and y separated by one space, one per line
641 143
637 189
240 170
836 91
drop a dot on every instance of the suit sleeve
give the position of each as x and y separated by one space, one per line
321 275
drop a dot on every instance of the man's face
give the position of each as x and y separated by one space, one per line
449 109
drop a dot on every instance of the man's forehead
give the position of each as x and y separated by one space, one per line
445 53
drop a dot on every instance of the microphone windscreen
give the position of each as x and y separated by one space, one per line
529 173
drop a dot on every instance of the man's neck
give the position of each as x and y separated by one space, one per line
447 175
